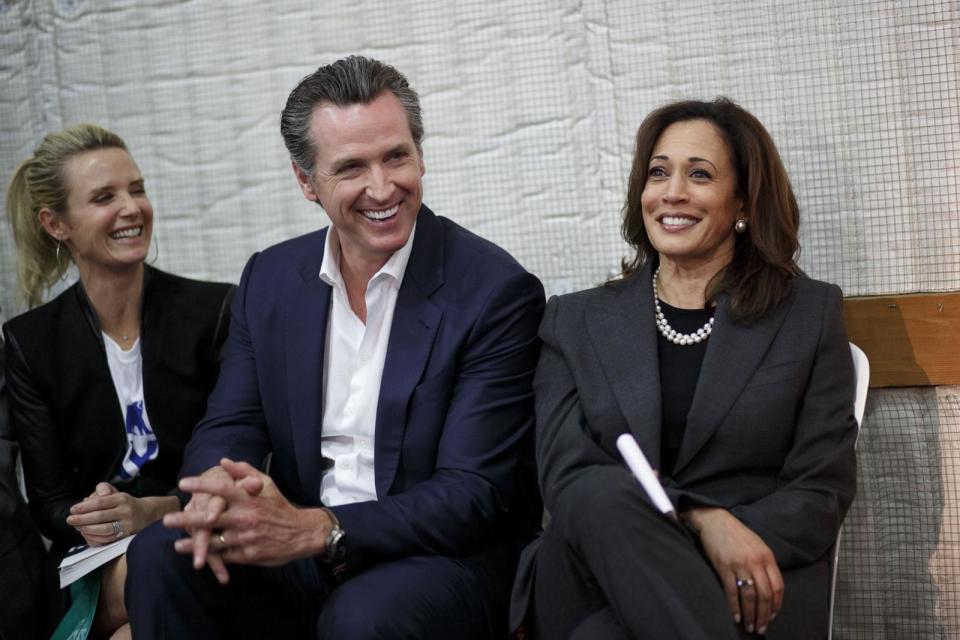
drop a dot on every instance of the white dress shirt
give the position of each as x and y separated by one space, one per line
352 369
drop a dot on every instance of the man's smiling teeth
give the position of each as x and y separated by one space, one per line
677 221
381 215
133 232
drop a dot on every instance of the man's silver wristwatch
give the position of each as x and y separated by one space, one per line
336 546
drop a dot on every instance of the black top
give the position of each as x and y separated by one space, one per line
679 372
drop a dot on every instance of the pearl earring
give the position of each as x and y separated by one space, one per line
741 225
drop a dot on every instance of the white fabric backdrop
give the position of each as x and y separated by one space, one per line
530 111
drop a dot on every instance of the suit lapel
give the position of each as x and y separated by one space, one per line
625 340
416 321
733 355
306 313
106 444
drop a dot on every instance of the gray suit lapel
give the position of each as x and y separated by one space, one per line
624 338
733 355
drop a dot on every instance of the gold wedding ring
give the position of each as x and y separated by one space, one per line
222 540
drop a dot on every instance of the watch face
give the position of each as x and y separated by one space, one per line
336 549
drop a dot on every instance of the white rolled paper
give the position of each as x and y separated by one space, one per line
637 462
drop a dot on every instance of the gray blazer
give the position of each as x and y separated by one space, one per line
770 434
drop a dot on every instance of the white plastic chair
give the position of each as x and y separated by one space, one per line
861 368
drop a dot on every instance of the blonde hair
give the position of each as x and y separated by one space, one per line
41 181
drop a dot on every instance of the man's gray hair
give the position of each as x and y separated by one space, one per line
348 81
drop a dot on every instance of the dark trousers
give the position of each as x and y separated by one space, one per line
420 597
610 566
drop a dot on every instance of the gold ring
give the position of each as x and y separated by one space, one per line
222 540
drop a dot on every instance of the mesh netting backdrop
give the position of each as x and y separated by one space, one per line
900 552
530 110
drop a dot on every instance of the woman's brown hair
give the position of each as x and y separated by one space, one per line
764 258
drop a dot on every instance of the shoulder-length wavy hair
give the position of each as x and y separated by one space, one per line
764 258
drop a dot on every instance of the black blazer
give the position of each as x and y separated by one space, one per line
14 520
64 406
23 612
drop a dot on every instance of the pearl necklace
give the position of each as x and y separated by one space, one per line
669 332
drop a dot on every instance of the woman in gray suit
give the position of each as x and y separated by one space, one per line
732 371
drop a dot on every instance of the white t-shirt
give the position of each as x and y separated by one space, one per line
126 369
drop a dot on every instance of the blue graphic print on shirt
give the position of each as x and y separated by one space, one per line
142 444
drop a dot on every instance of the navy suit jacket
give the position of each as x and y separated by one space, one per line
455 410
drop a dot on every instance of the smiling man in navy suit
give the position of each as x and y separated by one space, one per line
383 365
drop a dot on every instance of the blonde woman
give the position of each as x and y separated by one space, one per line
107 379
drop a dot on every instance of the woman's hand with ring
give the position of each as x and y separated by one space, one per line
108 514
751 580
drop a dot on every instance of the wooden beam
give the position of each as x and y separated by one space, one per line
911 340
